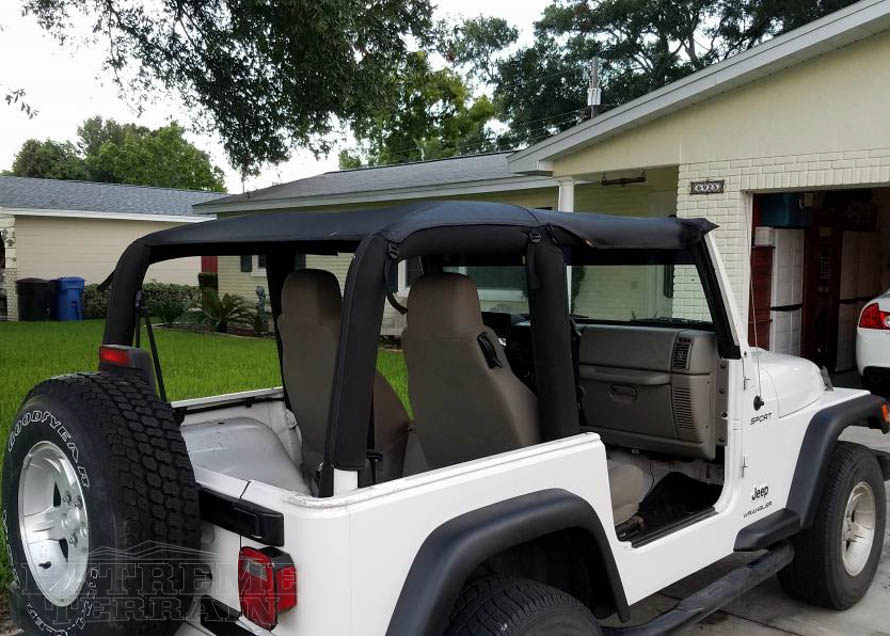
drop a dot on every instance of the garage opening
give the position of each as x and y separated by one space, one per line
817 259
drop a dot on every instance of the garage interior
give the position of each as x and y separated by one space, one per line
817 258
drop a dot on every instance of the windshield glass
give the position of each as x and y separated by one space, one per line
501 288
639 293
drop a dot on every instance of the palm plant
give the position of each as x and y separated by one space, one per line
167 310
219 313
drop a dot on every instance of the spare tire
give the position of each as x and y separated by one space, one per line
100 510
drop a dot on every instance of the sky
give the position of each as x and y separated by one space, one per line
66 85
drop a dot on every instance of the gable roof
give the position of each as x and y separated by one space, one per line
420 179
25 193
855 22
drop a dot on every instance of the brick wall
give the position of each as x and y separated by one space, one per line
866 168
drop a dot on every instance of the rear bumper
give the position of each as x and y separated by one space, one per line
872 349
220 619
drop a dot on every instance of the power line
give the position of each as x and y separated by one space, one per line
539 132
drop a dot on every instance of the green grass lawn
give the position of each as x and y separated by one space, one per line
194 364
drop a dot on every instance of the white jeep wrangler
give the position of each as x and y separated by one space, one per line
557 467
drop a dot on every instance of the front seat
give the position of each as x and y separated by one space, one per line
467 402
309 326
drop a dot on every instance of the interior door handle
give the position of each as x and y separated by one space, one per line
623 392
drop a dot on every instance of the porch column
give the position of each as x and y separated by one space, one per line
566 203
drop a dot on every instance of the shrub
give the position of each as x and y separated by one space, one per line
156 293
95 302
168 310
219 313
208 280
162 300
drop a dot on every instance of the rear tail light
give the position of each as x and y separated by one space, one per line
267 585
873 318
116 355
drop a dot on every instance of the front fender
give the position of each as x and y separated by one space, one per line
453 550
818 445
809 473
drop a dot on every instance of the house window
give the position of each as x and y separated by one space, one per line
409 271
255 264
499 283
495 284
258 265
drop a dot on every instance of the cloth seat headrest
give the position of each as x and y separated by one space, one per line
444 304
311 297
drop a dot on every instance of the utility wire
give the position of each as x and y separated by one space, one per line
533 135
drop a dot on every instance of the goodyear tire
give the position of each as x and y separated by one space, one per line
100 510
835 560
511 606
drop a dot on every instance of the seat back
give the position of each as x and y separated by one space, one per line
467 402
309 326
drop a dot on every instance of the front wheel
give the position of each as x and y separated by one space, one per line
511 606
836 559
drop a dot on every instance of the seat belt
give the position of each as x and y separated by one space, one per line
488 351
392 258
374 456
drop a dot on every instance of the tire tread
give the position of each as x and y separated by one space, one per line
489 604
148 463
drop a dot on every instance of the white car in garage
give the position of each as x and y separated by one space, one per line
873 344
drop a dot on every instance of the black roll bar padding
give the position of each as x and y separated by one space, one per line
355 367
551 338
128 275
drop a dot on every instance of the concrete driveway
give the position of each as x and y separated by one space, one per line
766 611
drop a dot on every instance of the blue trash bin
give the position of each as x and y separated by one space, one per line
69 298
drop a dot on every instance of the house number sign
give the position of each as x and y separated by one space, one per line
707 187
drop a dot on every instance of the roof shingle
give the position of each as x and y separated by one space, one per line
405 175
87 196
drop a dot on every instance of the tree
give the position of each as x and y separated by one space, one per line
160 157
430 115
541 89
95 131
122 153
475 44
264 75
49 160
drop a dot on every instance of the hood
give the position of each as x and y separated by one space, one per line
789 383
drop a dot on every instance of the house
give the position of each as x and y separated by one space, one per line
485 177
786 146
51 228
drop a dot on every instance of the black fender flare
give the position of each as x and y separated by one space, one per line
453 550
813 459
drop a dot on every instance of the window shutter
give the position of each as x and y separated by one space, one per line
246 262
